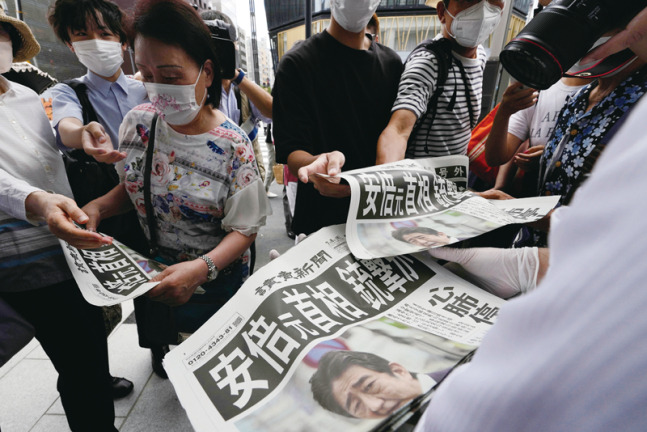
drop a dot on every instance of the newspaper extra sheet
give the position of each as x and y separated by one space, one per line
414 205
250 367
110 274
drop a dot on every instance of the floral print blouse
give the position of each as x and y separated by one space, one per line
194 179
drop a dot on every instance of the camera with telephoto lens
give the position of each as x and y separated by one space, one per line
560 35
223 36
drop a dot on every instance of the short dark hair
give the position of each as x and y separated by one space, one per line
401 232
175 22
65 16
332 365
14 35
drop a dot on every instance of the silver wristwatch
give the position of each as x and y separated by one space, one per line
212 272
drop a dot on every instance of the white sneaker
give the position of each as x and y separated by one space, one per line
274 254
271 194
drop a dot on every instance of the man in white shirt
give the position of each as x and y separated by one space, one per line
36 281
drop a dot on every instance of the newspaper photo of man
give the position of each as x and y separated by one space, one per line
364 385
422 236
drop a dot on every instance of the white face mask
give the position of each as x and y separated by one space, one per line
472 26
104 58
353 15
6 56
176 104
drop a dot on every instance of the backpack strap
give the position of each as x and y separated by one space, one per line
81 90
468 95
442 50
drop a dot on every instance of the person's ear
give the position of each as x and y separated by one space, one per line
398 370
208 73
69 45
440 11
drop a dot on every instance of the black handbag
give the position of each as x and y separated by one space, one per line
156 321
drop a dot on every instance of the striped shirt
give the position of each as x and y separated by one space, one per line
451 130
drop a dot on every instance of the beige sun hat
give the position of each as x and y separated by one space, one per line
29 47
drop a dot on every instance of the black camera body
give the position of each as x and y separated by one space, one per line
560 35
223 36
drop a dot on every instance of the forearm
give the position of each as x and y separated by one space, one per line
230 249
258 96
113 203
391 146
298 159
505 176
497 148
70 130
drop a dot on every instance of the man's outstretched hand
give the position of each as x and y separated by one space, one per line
61 213
96 142
330 164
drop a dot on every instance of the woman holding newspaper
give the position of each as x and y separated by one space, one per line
190 173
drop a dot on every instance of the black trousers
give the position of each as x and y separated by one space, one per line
72 333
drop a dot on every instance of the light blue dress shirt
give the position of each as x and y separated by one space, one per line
110 100
229 107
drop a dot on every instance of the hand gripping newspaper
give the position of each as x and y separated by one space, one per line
111 274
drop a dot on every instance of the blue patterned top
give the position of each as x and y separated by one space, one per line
584 131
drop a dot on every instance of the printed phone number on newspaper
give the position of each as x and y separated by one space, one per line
223 334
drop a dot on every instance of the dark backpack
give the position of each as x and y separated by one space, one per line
442 50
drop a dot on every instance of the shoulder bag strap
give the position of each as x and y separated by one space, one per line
150 216
442 52
81 90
